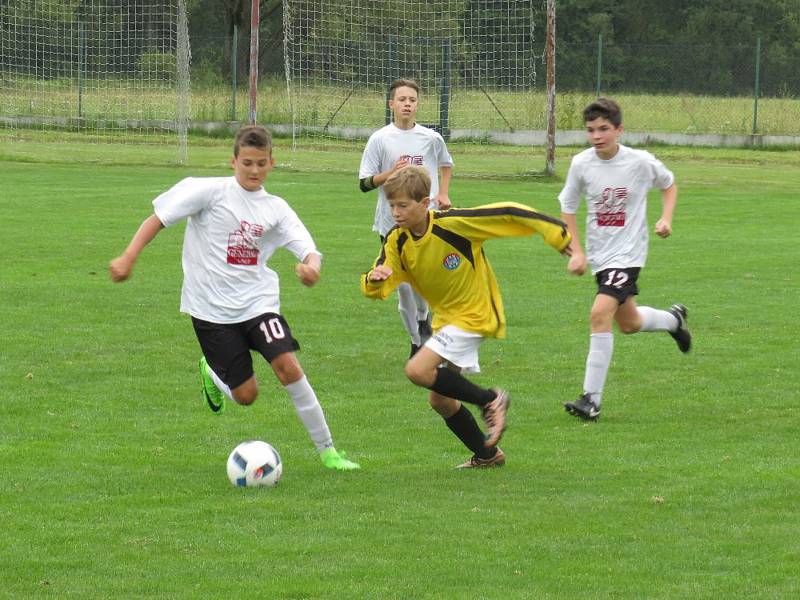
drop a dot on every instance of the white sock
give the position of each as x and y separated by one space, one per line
601 347
310 413
407 305
657 320
223 387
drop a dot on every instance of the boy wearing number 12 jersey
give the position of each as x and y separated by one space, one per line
614 180
233 228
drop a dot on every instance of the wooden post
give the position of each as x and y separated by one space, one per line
254 21
550 51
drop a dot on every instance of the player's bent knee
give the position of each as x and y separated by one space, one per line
246 393
245 400
600 321
629 328
419 376
287 368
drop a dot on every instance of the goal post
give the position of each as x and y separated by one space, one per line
255 20
112 71
476 62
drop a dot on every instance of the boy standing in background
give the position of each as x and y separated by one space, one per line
399 144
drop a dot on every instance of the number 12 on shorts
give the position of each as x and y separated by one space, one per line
615 279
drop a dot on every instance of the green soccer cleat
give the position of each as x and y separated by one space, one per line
331 459
214 397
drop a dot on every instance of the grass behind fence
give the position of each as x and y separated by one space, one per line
113 481
320 105
211 152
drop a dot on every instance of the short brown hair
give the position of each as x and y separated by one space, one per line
412 181
605 108
254 136
397 83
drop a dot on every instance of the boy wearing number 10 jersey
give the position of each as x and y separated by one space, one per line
233 228
614 180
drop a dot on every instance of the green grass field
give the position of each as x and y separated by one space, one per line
113 471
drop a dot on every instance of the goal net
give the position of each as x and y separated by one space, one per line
476 63
109 70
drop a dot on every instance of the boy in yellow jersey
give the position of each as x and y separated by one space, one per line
440 254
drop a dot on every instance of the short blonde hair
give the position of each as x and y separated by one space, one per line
412 181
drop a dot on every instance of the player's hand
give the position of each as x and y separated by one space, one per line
663 228
307 274
380 273
577 263
401 162
443 202
120 268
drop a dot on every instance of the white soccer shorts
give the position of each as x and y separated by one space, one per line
458 347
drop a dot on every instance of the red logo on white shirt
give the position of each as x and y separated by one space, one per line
242 245
610 210
413 160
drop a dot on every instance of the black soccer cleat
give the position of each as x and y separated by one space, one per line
583 408
681 335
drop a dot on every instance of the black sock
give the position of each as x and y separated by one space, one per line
454 385
465 427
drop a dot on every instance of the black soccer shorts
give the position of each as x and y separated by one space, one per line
227 346
618 283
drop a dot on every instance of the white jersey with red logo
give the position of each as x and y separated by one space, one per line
421 145
616 203
230 235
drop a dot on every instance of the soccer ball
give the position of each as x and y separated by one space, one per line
254 464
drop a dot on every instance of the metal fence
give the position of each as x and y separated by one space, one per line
744 89
689 90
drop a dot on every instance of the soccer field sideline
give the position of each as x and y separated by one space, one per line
684 489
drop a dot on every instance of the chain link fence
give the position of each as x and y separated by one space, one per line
741 90
702 90
722 90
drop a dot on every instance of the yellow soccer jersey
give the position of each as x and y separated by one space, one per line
447 265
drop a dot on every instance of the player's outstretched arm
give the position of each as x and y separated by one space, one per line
120 268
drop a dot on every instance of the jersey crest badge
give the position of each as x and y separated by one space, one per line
451 261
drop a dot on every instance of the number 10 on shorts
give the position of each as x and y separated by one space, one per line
272 329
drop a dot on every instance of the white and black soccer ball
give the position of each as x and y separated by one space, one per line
254 464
